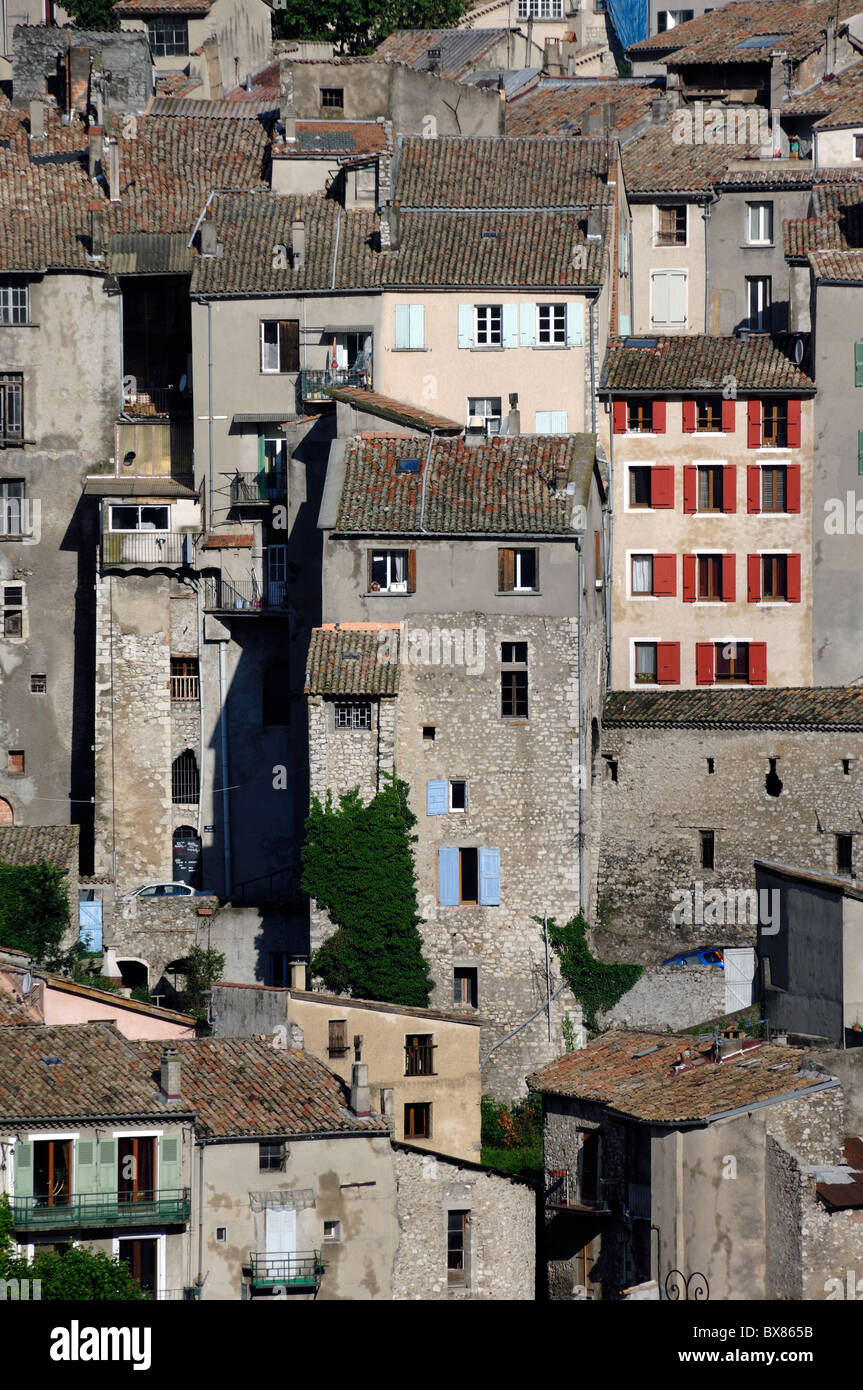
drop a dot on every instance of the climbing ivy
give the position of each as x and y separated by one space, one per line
34 908
596 985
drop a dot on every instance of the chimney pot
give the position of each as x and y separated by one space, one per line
95 137
298 243
37 120
113 171
209 238
361 1098
169 1073
298 974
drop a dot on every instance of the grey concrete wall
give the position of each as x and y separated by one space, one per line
405 97
39 52
674 997
732 259
805 959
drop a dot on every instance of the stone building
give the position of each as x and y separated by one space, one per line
205 46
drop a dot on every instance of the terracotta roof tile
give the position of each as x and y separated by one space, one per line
351 661
455 172
698 361
827 707
561 106
459 50
722 36
30 844
398 412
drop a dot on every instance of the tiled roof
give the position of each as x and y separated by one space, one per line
561 106
264 85
460 50
699 361
133 9
500 487
497 249
209 109
826 707
838 102
350 660
30 844
398 412
609 1072
12 1015
768 173
654 163
838 267
98 1073
245 1087
455 172
724 35
337 137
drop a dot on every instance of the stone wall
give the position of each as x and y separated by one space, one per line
672 997
501 1253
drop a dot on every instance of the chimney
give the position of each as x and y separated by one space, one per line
298 974
434 56
286 89
609 114
391 227
169 1073
94 150
361 1096
37 120
658 111
830 47
209 239
113 171
97 250
298 248
594 224
388 1103
513 420
79 78
110 968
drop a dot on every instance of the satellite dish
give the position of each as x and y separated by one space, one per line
27 983
798 351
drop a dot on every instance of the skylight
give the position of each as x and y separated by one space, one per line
762 41
640 342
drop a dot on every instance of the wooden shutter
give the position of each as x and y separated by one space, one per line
662 486
412 571
618 417
728 417
794 426
659 417
704 663
753 578
757 663
527 325
85 1166
858 364
753 487
108 1176
169 1163
690 488
664 576
509 325
23 1170
689 579
489 877
465 325
668 663
753 424
792 488
403 327
369 554
677 297
505 571
289 345
793 572
448 885
688 416
660 294
729 488
575 325
436 798
729 578
416 326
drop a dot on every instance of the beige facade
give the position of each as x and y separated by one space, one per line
240 28
668 280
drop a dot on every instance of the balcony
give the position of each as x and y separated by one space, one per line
167 1207
638 1201
143 401
257 489
148 548
563 1195
245 597
296 1270
312 383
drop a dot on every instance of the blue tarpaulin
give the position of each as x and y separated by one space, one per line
630 19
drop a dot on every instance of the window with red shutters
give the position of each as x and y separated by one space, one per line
690 488
668 663
793 579
757 663
753 578
662 486
704 663
753 424
729 488
728 417
639 416
688 416
792 500
794 424
618 416
708 414
710 578
753 488
664 576
729 578
689 576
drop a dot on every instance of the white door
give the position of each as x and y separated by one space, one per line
281 1241
739 974
277 575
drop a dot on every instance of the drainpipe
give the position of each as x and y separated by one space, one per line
226 799
432 434
200 709
591 308
705 212
580 734
210 396
200 1279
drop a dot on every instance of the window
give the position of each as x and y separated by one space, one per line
333 98
458 796
136 1169
12 508
516 571
14 304
13 609
758 300
457 1248
52 1172
417 1122
540 9
443 796
279 970
410 328
184 678
668 293
513 680
337 1037
707 846
708 414
354 716
332 1232
168 37
709 577
271 1157
669 19
846 767
645 663
639 416
221 1235
367 184
468 877
38 685
11 409
185 779
732 663
15 762
844 859
488 325
774 423
280 345
858 146
711 766
774 578
774 489
552 422
551 323
392 571
429 732
639 486
140 518
759 224
419 1054
642 574
465 985
487 409
670 226
710 488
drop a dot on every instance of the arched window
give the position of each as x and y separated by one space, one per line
7 816
276 702
185 779
187 856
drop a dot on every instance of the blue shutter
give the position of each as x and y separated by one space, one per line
858 364
510 325
489 877
403 329
558 422
435 798
448 887
860 451
417 326
543 421
575 325
465 325
527 321
23 1159
623 325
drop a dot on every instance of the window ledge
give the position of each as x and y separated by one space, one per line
398 349
28 324
514 722
758 245
487 347
518 593
555 347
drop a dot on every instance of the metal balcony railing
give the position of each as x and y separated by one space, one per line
312 382
249 489
638 1200
243 596
146 548
145 400
165 1206
419 1061
563 1192
303 1269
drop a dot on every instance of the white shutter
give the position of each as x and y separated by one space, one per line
659 297
509 319
677 297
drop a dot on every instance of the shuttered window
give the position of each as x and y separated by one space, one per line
280 345
410 328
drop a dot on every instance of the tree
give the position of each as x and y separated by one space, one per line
358 865
203 966
92 14
34 908
79 1274
358 26
596 985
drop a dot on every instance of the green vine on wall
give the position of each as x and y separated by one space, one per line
596 984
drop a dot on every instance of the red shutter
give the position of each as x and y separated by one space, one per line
662 486
753 425
412 572
618 417
793 578
729 578
794 424
729 488
668 663
659 417
689 487
728 417
753 487
689 579
688 410
757 663
704 663
792 488
664 576
753 578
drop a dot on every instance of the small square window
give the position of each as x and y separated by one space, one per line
513 653
221 1235
639 416
417 1122
38 685
465 985
671 226
429 732
333 97
271 1157
551 323
489 325
354 716
645 663
15 762
332 1232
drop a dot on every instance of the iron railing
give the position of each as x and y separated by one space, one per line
250 488
187 1295
155 400
564 1192
303 1269
419 1060
166 1206
313 382
638 1201
247 596
143 548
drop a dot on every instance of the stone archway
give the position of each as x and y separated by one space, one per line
7 815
